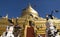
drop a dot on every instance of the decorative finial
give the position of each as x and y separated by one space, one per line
29 5
6 16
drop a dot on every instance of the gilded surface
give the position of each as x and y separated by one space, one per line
40 27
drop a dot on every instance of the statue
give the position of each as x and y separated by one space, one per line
51 29
17 31
9 30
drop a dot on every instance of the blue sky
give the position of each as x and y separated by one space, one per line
43 7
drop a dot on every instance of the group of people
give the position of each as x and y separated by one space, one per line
11 31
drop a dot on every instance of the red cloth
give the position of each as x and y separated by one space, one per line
30 32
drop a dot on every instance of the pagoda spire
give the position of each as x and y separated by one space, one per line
29 10
29 5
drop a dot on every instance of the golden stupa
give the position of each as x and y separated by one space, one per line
29 10
23 21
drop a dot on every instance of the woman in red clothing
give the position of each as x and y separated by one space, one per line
30 30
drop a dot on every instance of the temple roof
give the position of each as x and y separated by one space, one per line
29 10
